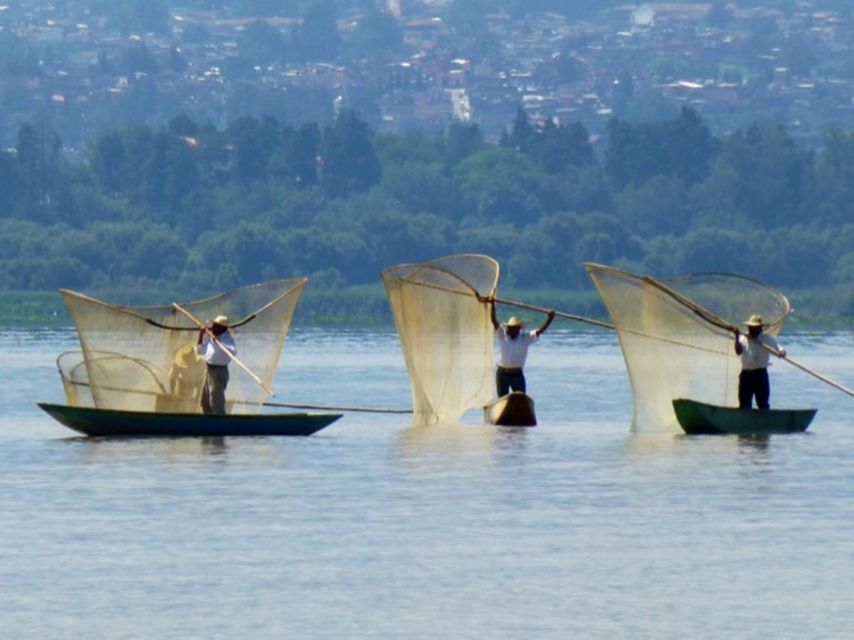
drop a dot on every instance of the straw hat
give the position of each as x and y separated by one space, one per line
221 321
515 322
754 321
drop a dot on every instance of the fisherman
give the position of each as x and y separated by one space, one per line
216 355
185 373
753 379
513 349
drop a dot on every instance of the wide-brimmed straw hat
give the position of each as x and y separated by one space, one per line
754 321
515 322
221 321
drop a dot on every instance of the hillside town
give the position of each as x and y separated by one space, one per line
78 73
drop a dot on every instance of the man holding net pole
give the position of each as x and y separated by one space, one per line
754 349
212 346
513 346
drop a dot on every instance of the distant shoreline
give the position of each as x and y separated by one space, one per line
367 306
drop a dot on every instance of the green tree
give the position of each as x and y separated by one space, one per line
768 173
522 135
657 207
682 148
254 143
349 162
834 176
10 178
40 164
715 250
302 156
559 147
460 141
501 185
420 188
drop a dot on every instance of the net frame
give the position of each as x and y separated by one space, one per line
445 332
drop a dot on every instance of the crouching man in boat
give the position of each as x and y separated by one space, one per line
753 379
214 354
513 346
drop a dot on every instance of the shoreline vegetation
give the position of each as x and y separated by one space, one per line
367 306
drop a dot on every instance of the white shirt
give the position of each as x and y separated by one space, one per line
512 353
753 354
213 353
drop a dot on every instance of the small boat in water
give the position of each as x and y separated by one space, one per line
516 409
139 424
701 418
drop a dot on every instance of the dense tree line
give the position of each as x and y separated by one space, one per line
193 207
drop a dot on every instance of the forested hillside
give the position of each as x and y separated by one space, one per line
190 208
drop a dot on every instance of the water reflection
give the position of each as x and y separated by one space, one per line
214 445
420 440
759 442
263 451
459 440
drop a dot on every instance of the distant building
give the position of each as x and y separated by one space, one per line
643 16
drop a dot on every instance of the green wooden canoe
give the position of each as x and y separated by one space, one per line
701 418
516 409
137 424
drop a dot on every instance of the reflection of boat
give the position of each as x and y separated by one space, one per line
701 418
135 424
516 409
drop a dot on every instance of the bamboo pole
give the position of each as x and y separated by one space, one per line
717 321
560 314
332 408
233 357
512 303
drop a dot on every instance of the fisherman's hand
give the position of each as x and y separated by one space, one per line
781 353
737 331
551 313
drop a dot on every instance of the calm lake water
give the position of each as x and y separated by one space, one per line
374 529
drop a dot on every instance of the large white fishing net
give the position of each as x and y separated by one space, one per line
445 333
673 349
144 358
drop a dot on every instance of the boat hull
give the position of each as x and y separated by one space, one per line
701 418
139 424
516 409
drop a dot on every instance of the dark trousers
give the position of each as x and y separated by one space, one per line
754 382
505 379
213 395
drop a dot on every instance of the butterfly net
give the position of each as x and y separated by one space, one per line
144 358
674 335
445 333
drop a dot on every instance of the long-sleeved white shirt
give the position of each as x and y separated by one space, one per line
214 354
753 354
513 353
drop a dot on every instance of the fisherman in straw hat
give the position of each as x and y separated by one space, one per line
513 349
215 354
753 379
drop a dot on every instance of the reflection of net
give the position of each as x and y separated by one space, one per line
670 351
445 333
144 359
